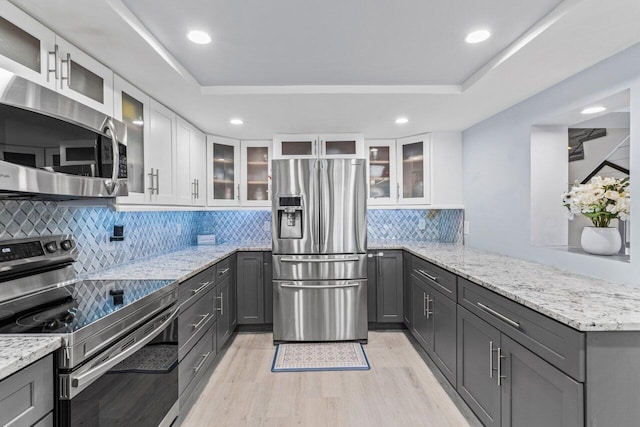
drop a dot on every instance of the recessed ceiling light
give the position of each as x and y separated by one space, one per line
402 120
236 121
477 36
137 122
199 37
594 109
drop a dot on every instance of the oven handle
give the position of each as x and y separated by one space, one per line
80 381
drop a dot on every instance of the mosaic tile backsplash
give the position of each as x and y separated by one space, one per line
154 233
423 225
146 233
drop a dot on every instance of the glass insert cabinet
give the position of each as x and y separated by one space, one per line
223 171
255 188
381 172
311 146
414 166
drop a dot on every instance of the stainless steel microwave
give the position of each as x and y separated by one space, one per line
54 148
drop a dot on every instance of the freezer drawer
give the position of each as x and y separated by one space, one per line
319 310
314 267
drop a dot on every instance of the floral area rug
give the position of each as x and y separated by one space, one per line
325 356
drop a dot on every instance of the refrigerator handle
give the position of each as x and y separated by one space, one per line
319 177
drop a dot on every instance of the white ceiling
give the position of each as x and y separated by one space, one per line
342 66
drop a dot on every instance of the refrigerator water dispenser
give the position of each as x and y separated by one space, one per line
290 217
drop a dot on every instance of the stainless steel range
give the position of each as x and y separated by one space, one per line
319 250
119 355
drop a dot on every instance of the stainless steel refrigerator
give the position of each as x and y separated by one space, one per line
319 250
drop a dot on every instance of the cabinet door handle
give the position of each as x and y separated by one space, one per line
223 272
67 62
199 288
398 193
198 324
491 350
53 70
204 359
157 181
221 308
499 315
500 357
238 192
197 188
424 304
151 175
429 311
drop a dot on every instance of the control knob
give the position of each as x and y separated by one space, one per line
51 247
66 245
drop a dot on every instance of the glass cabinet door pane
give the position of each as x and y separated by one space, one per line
257 173
132 116
19 46
297 148
339 148
412 170
86 82
379 163
223 172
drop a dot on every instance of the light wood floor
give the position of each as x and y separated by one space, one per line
399 390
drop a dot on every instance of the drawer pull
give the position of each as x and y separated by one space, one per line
204 359
498 315
424 273
220 273
204 319
199 288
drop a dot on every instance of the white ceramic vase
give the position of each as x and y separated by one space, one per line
601 240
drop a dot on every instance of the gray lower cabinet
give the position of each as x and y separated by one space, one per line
434 326
507 385
407 268
250 288
477 380
26 397
222 302
372 287
233 294
267 269
389 284
534 393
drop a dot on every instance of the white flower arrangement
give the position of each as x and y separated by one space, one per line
601 200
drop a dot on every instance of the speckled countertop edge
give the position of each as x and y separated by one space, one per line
19 351
584 303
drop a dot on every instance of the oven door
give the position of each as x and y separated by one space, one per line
133 383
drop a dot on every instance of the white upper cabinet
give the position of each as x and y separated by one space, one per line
27 48
312 146
190 165
345 146
198 168
32 51
83 78
381 172
298 146
446 175
161 166
223 171
414 170
132 108
255 182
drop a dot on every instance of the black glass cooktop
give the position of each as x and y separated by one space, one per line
68 308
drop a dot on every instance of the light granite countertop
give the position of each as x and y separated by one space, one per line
19 351
584 303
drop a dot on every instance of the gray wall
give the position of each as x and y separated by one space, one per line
496 168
